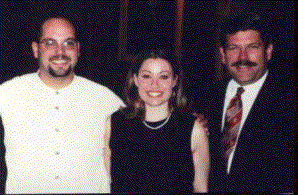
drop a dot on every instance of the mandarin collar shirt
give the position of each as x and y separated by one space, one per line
54 138
248 98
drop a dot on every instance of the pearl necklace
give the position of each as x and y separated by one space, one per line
159 126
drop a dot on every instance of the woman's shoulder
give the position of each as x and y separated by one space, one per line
184 115
184 119
118 114
122 114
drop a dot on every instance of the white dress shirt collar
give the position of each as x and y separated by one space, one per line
254 87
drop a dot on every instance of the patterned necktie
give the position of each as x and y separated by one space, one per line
232 124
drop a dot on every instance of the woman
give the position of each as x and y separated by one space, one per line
154 144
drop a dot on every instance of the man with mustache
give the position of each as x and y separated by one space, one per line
53 120
251 115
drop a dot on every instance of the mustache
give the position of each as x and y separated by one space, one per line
60 57
245 63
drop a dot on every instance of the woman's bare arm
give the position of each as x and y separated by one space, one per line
200 153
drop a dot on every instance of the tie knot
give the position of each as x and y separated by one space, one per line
240 90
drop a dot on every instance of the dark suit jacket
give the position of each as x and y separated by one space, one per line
263 160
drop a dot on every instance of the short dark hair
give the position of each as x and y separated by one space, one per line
246 21
136 106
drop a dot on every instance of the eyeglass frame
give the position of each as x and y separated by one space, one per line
56 44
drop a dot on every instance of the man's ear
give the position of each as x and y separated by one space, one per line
34 47
222 55
269 51
79 47
135 79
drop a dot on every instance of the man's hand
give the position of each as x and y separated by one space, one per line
203 122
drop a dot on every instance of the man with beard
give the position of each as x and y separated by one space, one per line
53 120
250 115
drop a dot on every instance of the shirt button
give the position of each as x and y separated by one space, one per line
57 177
57 153
56 107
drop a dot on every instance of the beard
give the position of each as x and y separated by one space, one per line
55 74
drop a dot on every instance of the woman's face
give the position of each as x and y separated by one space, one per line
155 81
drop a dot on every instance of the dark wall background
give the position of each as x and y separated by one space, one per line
98 26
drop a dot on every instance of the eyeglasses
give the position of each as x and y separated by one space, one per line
49 44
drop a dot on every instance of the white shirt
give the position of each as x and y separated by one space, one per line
248 98
54 138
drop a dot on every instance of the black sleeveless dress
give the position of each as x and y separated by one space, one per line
144 160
